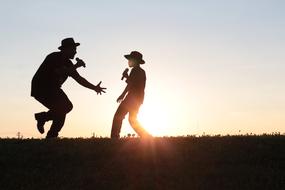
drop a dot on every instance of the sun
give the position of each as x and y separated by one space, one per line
155 118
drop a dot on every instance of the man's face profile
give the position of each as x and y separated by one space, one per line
70 52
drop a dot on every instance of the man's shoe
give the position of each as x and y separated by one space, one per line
52 135
40 122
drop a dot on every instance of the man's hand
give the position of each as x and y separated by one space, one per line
120 98
99 89
80 63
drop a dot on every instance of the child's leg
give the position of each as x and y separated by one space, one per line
136 124
118 119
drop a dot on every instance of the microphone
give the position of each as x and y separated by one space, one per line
80 62
125 73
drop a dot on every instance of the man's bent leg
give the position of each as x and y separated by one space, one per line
43 117
61 106
56 126
117 120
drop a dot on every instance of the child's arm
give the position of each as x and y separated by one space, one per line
122 96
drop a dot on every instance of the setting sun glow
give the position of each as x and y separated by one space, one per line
155 117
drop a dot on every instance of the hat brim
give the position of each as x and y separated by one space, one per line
141 61
71 45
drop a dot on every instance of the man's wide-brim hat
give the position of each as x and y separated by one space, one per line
136 56
68 42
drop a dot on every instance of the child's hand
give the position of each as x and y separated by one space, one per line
125 74
120 98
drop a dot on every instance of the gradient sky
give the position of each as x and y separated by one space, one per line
212 66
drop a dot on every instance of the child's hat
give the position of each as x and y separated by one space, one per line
135 55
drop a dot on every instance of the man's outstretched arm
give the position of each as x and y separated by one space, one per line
83 82
72 68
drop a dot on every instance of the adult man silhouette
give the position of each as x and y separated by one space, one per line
132 97
46 86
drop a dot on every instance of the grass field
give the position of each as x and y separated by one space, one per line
231 162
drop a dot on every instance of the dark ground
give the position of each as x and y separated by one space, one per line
232 162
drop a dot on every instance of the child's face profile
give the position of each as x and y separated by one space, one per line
132 63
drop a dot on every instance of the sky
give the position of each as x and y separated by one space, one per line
213 67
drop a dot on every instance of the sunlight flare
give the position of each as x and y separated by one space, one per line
155 118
